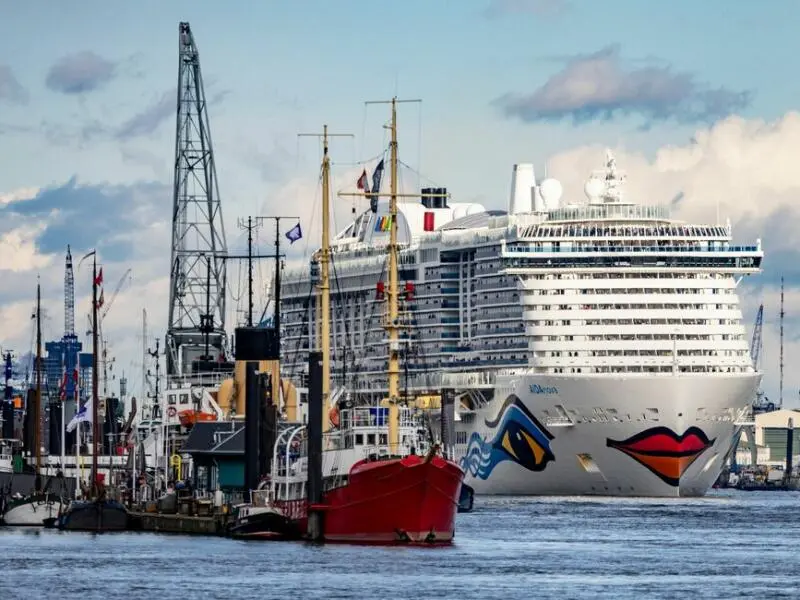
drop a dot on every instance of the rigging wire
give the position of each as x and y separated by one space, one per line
297 366
358 163
419 144
420 176
259 291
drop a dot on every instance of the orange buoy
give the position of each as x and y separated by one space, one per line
333 415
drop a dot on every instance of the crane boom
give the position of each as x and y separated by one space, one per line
114 295
756 342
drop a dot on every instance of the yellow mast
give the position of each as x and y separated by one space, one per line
392 322
324 283
324 297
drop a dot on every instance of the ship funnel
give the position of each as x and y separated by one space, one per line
522 189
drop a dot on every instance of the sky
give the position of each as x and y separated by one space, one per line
697 100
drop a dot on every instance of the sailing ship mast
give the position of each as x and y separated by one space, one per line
37 411
95 400
324 284
324 338
392 323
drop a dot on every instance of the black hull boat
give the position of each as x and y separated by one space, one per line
94 515
465 499
264 523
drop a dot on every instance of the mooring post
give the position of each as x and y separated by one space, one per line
447 421
314 487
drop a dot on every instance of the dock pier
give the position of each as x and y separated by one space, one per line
214 525
184 515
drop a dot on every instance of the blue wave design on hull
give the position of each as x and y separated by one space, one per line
519 437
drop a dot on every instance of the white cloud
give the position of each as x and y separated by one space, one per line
747 168
16 319
26 193
18 250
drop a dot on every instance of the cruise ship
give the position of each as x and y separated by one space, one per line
594 346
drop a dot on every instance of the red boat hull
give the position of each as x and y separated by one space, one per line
407 500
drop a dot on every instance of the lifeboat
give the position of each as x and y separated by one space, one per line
333 415
190 417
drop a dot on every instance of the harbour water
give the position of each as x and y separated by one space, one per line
729 544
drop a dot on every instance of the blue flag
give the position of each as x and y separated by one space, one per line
294 233
376 187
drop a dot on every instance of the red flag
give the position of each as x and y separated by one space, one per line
99 279
362 181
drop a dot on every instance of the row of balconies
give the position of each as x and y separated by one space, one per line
613 316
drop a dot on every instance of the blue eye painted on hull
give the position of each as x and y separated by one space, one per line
518 437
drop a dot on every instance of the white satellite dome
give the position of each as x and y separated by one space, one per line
594 188
474 209
551 191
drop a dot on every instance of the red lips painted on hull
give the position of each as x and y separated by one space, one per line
664 452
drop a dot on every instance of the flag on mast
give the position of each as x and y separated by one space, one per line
84 415
376 187
362 182
294 234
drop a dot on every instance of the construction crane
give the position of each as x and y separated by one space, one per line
70 346
761 402
780 392
125 277
756 342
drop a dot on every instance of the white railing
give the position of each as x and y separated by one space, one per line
476 379
371 417
205 380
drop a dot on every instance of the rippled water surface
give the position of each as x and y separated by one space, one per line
727 545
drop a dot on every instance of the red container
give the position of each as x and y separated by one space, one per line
428 221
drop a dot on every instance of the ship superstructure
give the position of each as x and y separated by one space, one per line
595 347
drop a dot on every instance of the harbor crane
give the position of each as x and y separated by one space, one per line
761 402
199 251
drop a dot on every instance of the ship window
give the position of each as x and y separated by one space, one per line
359 439
370 439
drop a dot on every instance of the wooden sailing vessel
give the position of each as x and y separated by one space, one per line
41 505
96 512
385 497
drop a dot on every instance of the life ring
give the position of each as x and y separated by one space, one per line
333 415
171 412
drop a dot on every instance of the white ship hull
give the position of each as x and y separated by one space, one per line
622 436
31 512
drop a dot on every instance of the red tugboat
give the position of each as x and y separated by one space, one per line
375 489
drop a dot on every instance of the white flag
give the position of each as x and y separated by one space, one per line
83 415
